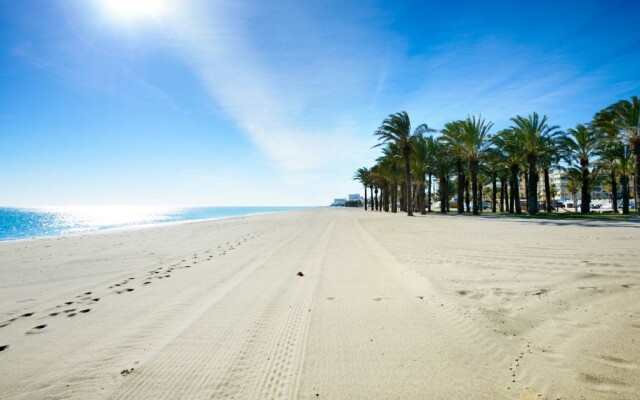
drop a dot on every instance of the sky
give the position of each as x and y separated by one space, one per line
219 103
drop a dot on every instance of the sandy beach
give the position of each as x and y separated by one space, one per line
387 307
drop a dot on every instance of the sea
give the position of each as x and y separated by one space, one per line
37 222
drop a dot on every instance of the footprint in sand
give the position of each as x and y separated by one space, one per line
4 347
36 329
86 310
27 315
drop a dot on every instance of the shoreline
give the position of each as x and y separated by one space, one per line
145 226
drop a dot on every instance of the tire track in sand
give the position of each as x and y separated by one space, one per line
217 345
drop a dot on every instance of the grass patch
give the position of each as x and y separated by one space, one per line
574 215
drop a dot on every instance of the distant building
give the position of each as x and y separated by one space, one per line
558 181
355 197
339 202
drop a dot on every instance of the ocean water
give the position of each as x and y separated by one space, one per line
25 223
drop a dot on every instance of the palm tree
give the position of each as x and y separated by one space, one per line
396 128
431 166
377 180
625 165
608 162
581 145
550 158
533 132
493 167
469 139
362 175
624 116
509 146
450 134
384 177
419 165
574 181
442 166
391 168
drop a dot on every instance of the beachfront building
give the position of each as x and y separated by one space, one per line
559 191
339 203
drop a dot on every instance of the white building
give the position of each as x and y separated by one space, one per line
339 202
558 182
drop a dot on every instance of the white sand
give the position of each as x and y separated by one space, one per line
389 307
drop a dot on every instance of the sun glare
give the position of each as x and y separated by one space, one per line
134 10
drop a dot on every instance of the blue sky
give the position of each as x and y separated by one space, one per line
194 102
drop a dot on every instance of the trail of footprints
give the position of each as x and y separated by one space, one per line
80 304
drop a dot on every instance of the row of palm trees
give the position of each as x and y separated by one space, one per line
466 156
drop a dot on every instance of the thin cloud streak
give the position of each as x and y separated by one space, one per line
281 111
314 113
92 76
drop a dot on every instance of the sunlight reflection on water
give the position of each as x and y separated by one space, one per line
22 223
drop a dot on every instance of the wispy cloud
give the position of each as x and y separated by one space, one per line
294 99
307 94
78 71
500 80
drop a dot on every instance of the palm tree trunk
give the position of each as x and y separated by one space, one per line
443 194
515 190
532 184
384 197
429 192
635 192
371 190
473 166
512 204
586 195
467 198
494 193
504 200
448 186
376 198
460 186
547 190
526 187
635 147
394 196
624 181
365 197
407 167
614 191
421 196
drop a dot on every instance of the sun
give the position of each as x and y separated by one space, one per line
134 10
